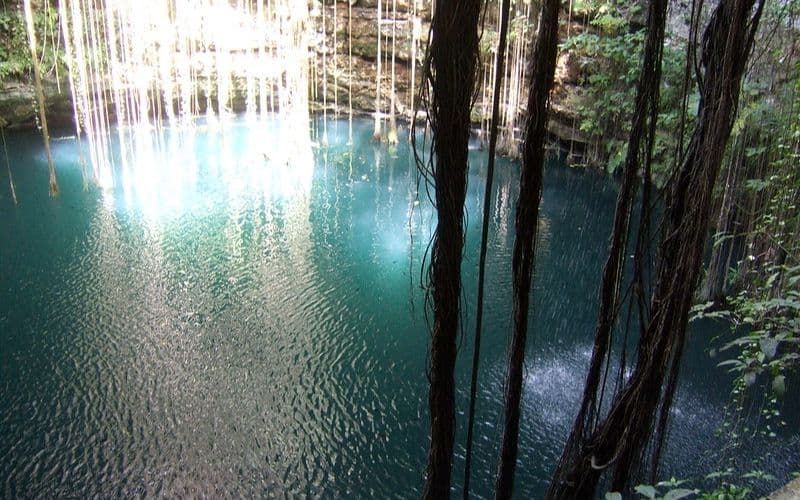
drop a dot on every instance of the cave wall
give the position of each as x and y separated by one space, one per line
17 106
365 55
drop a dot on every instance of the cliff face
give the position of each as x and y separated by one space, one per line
342 29
563 124
18 104
359 34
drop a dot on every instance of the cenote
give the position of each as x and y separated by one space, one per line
222 322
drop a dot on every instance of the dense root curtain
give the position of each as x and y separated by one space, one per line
639 151
450 74
617 442
542 71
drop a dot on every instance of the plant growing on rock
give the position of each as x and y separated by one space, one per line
15 57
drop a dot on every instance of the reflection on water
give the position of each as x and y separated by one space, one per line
159 173
239 313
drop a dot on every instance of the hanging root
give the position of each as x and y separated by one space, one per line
53 187
450 72
40 94
487 197
595 466
726 43
542 65
8 165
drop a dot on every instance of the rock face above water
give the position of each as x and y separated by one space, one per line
18 104
333 84
564 126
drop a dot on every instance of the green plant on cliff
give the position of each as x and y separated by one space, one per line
763 301
15 59
610 52
14 54
762 306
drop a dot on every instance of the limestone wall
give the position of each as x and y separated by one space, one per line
17 107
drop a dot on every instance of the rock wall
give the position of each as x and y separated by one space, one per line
564 126
364 44
17 107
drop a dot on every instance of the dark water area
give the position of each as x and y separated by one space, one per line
236 314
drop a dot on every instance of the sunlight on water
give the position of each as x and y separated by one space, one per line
262 159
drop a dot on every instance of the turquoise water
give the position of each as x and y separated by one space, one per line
239 315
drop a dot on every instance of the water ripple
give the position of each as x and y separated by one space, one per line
252 335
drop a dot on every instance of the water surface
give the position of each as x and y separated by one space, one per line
238 315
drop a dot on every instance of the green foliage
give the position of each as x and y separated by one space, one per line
727 492
766 329
671 111
665 490
763 344
610 57
761 351
675 489
609 65
765 313
15 60
607 12
15 57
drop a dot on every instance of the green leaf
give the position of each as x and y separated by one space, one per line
769 347
771 280
719 474
646 490
735 364
756 184
672 483
759 474
679 493
779 385
750 152
613 496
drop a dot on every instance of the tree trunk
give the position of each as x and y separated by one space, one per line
620 438
451 65
542 67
